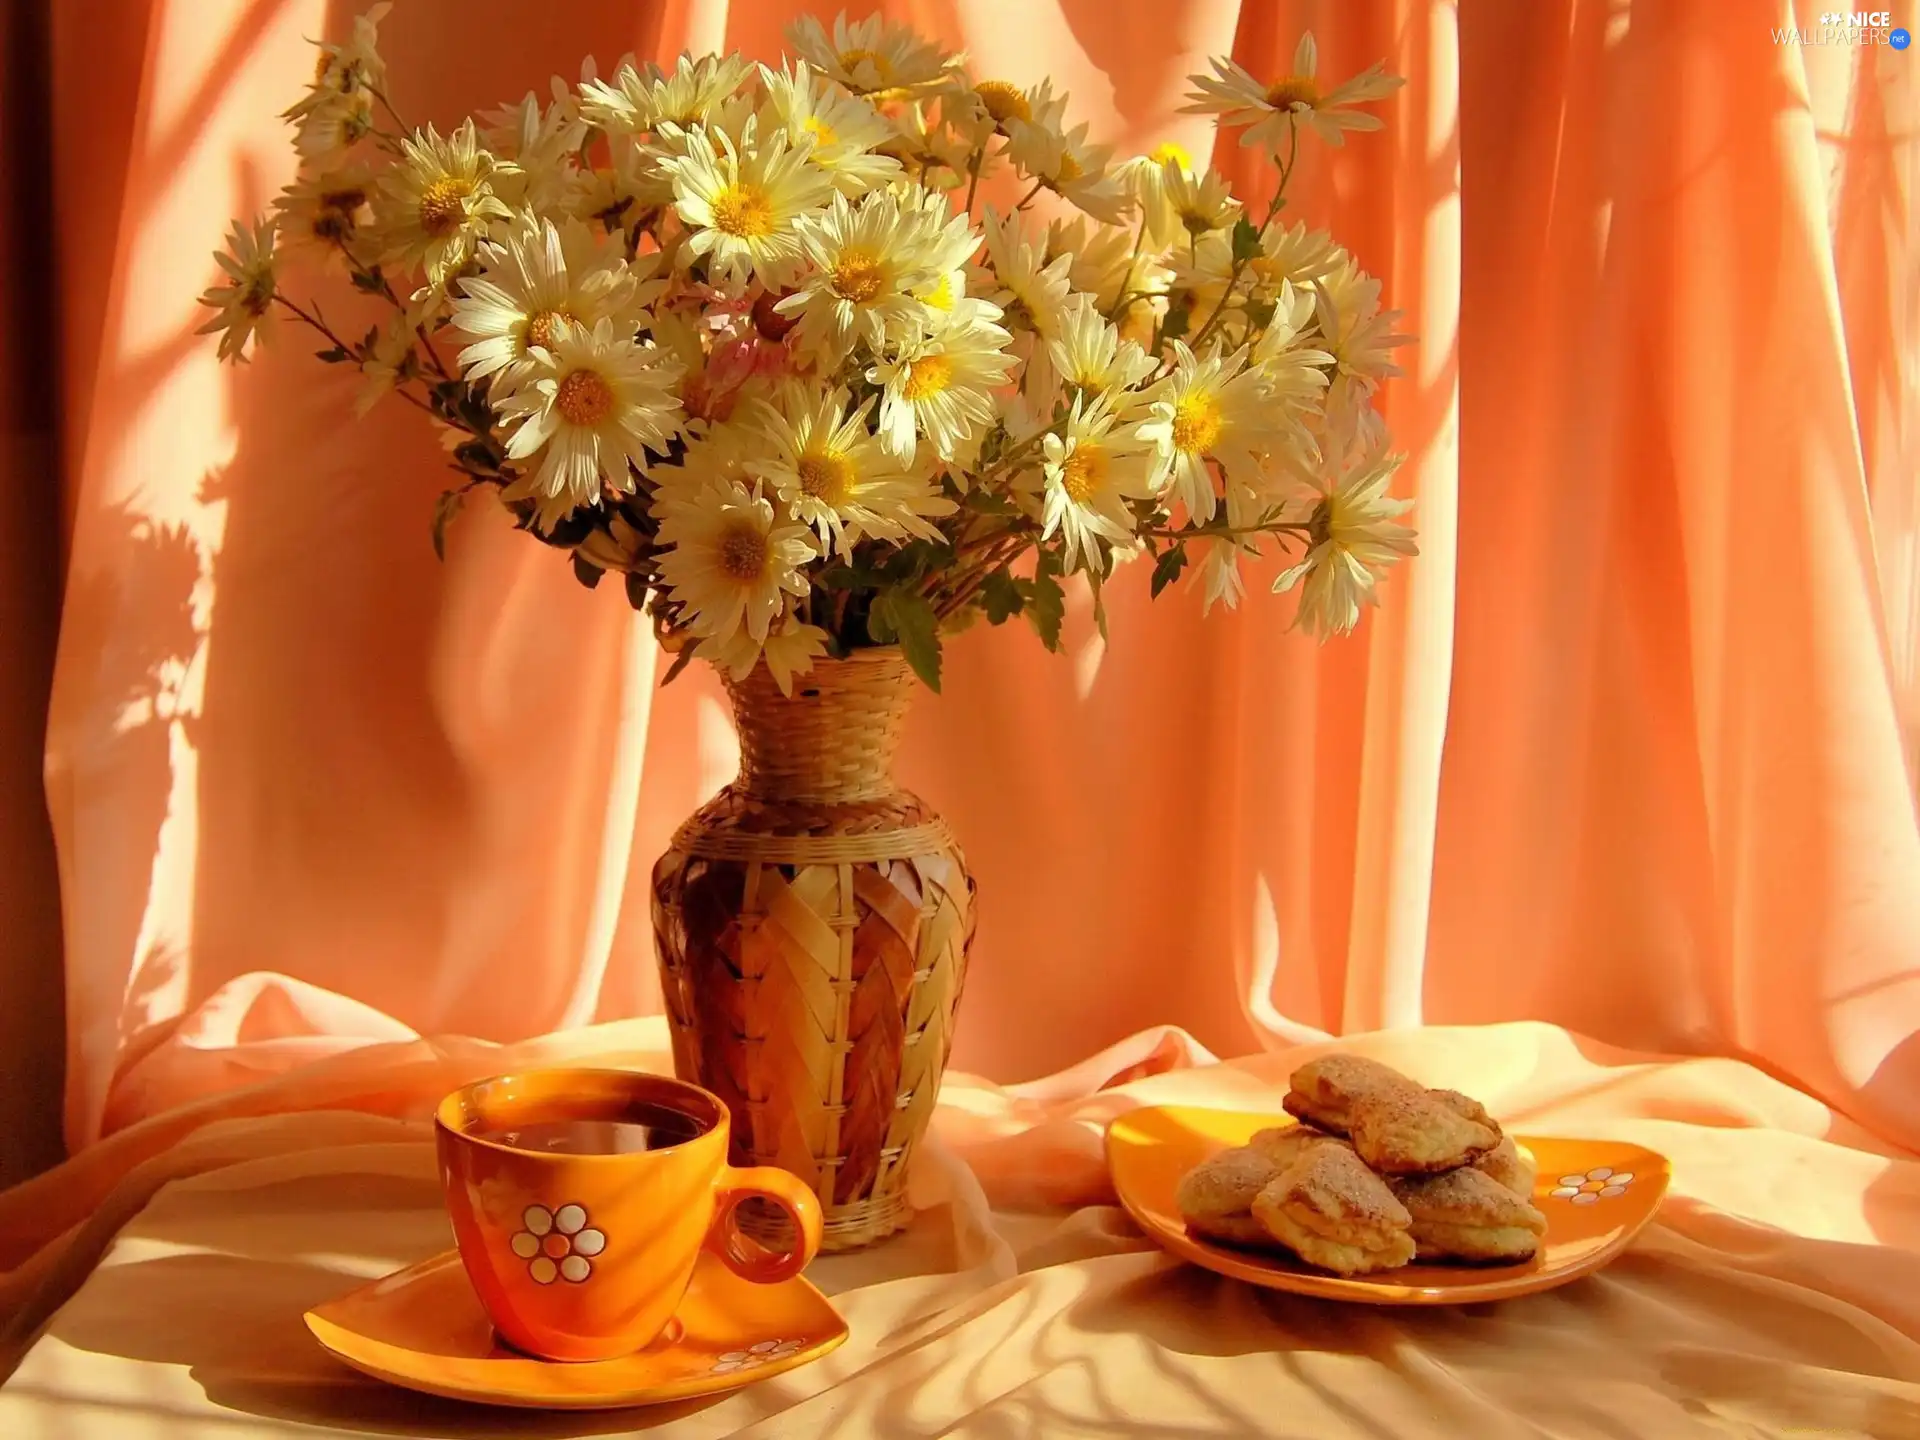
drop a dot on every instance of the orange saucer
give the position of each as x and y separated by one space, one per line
1597 1196
423 1328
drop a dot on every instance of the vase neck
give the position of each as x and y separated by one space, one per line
833 739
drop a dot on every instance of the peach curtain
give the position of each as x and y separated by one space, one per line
1626 750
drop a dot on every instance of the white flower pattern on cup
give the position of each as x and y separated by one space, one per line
765 1353
557 1244
1594 1186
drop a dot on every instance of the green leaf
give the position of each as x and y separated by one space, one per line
1099 603
333 355
1046 602
1260 313
444 509
1167 568
1001 595
908 617
587 573
636 591
367 281
1246 240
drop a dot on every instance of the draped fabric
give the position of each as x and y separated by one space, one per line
1627 749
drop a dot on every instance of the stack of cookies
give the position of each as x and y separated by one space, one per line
1379 1172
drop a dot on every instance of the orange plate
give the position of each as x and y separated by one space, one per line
1596 1194
423 1328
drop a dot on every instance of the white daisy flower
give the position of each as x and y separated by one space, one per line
326 134
789 650
864 263
1144 178
1031 291
1031 117
1201 202
1354 536
941 386
1355 330
1206 409
731 560
1272 111
1287 256
597 403
837 477
741 204
641 99
627 188
543 143
1092 470
336 113
1089 354
840 133
244 302
1073 169
322 212
353 65
868 55
438 202
537 276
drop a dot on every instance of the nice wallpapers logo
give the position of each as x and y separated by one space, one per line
1848 27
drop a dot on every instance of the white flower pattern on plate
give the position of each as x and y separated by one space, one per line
557 1244
1594 1186
765 1353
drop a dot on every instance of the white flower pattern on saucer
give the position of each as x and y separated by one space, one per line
765 1353
557 1244
1594 1186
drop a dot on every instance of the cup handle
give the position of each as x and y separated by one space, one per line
744 1255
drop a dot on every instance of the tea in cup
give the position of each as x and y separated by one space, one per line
581 1200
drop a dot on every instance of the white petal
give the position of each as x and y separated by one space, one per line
569 1218
525 1246
543 1271
575 1269
589 1242
537 1219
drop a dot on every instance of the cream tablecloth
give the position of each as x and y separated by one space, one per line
160 1281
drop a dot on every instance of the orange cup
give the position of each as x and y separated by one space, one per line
579 1241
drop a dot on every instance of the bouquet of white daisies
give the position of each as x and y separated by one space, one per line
748 338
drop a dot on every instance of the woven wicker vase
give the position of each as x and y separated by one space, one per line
812 922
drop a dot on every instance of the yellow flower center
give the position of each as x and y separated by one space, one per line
543 329
257 294
856 276
443 204
927 377
1294 90
744 211
850 61
821 132
1069 168
826 476
1084 472
334 213
1196 424
1004 101
742 551
584 398
1170 151
941 296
